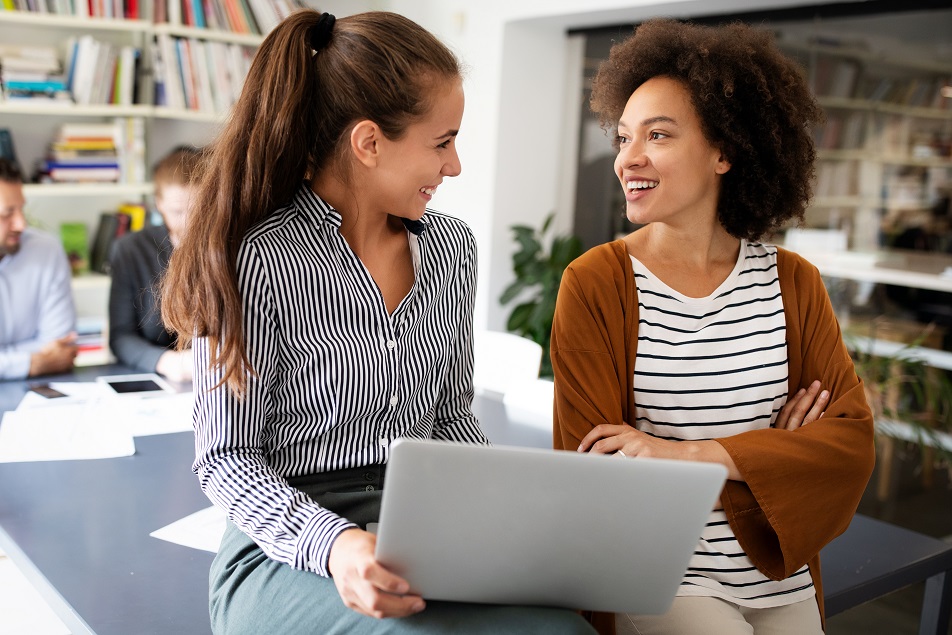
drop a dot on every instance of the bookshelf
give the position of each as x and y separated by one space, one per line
884 154
61 26
884 172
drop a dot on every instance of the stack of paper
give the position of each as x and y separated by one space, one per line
89 423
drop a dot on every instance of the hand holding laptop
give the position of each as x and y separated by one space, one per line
364 584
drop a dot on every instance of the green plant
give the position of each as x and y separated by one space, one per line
904 388
538 274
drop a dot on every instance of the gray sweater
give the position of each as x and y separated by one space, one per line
137 261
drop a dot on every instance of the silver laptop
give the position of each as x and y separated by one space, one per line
526 526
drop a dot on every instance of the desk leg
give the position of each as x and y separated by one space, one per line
936 605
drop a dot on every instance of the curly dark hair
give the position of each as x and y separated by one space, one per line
753 102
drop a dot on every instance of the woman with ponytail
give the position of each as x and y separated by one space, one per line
330 312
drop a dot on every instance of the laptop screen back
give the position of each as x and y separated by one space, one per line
527 526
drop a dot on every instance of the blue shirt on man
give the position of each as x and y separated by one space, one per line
36 301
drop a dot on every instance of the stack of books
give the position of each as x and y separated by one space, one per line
111 152
32 73
82 153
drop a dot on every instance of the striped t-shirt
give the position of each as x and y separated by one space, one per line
715 367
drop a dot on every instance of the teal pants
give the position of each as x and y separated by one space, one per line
252 594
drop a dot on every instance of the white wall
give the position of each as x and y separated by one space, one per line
518 138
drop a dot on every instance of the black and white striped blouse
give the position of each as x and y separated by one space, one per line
715 367
337 378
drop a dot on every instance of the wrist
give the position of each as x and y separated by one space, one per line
711 451
35 366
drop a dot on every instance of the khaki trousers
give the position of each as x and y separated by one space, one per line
714 616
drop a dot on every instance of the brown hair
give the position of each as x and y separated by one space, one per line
179 167
10 172
753 102
292 121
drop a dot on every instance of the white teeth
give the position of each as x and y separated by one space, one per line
642 185
429 191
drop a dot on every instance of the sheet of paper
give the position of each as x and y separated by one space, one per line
141 415
62 432
152 413
201 530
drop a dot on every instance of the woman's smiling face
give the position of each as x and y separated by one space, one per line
667 167
414 165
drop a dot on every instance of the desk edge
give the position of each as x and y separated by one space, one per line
64 611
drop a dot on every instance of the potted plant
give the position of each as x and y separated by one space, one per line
538 273
910 400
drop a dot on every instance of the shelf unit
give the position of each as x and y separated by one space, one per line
884 167
910 269
884 156
34 122
903 268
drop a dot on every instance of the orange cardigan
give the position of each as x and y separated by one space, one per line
802 487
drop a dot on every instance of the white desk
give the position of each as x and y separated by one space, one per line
901 267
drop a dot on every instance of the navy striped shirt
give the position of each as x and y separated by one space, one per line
336 378
716 367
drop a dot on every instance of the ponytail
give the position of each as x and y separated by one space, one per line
290 122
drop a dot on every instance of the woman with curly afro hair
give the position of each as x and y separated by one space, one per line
690 339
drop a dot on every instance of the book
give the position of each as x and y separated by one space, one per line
212 15
218 62
102 243
104 74
83 68
159 14
198 14
265 15
843 81
159 97
7 150
105 147
50 85
205 88
184 59
132 149
112 225
43 59
136 213
249 18
174 11
852 138
174 91
830 137
80 162
76 245
84 174
188 17
87 132
126 74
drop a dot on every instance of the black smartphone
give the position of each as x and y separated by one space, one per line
135 385
46 391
